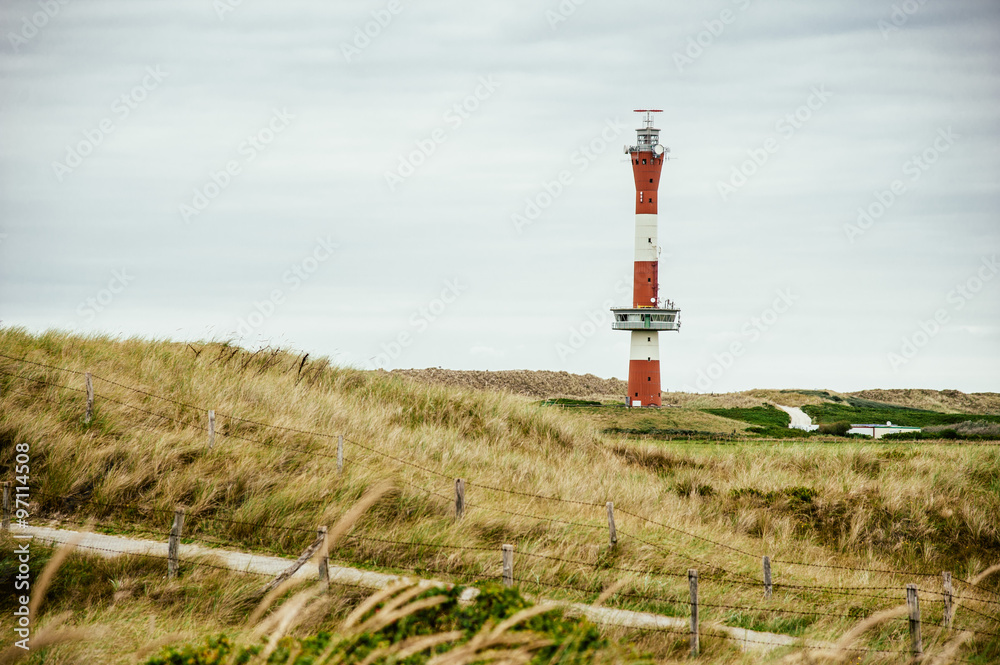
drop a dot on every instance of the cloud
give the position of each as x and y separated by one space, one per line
325 175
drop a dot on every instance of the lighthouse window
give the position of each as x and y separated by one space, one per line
644 161
651 180
649 378
649 279
650 199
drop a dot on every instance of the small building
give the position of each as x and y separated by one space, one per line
878 431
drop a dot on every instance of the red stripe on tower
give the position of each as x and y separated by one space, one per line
644 283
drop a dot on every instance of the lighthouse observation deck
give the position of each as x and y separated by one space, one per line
645 318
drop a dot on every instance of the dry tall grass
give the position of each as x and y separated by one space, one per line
539 384
870 506
949 401
265 636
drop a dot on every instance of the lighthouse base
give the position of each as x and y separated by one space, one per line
644 369
644 383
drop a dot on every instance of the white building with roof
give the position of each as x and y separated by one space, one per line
878 431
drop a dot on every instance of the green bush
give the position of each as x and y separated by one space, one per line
686 487
574 641
793 494
215 649
836 429
948 433
907 436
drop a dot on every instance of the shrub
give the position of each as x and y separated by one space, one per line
776 432
574 641
686 487
797 493
215 649
803 494
836 429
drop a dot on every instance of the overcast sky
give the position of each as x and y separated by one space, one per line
421 184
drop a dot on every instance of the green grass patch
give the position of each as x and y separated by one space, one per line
658 432
768 623
764 416
565 401
779 432
866 411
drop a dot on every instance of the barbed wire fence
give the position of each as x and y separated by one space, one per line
718 573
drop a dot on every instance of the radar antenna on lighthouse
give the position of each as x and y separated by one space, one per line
647 315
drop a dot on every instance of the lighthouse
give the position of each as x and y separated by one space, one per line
648 315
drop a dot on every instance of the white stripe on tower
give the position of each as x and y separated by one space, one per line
645 237
645 345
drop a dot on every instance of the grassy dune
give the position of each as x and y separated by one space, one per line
538 384
547 384
916 506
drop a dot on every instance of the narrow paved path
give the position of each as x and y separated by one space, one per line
105 545
800 419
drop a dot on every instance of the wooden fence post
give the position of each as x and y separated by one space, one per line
324 557
767 576
948 607
508 565
693 583
340 453
173 545
6 505
913 603
611 524
90 399
309 553
211 428
460 498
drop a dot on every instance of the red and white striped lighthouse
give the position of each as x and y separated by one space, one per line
648 314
